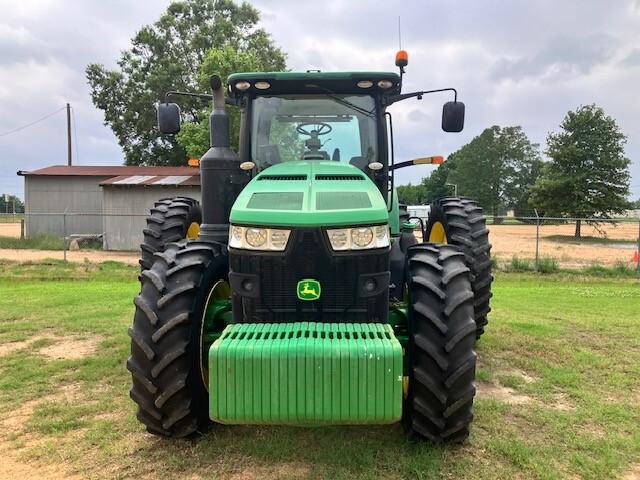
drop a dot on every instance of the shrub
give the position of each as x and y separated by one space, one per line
519 265
548 265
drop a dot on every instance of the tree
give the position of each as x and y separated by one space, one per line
194 136
432 187
10 204
636 204
168 56
497 168
588 174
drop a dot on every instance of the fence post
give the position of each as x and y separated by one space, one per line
537 237
64 235
22 229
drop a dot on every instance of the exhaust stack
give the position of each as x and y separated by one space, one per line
220 175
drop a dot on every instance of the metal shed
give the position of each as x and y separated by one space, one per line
128 198
71 200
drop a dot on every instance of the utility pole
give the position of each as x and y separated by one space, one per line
69 159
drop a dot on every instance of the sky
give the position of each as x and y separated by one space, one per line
513 63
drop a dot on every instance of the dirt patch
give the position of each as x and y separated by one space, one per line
501 393
10 230
12 423
561 402
13 468
272 472
526 378
7 348
633 474
520 240
70 349
94 256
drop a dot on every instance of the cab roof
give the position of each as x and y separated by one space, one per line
313 82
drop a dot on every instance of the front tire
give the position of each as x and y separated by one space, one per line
460 222
441 354
165 362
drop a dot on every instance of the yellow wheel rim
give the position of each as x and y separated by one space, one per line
220 291
438 234
193 232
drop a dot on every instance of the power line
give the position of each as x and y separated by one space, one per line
16 130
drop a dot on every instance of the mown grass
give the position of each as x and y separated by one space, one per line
577 339
37 242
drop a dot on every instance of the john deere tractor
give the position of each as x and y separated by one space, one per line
296 292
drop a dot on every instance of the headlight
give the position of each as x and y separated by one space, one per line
359 238
255 238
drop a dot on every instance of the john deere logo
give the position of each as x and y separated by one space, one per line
308 289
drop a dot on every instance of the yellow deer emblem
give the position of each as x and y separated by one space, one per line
308 289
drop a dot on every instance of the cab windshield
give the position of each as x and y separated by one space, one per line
340 128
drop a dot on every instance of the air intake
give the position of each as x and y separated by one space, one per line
339 177
282 177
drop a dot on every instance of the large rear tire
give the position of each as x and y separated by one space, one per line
441 354
464 225
170 221
165 363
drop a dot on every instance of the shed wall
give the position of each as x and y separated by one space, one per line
126 209
47 195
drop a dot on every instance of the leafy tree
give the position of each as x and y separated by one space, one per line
497 168
168 56
636 204
10 204
194 137
588 175
432 187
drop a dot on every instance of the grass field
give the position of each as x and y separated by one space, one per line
559 391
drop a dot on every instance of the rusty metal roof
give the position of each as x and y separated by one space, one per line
157 180
111 171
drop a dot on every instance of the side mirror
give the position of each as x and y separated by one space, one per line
453 117
168 118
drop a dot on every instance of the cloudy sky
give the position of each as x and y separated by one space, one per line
513 62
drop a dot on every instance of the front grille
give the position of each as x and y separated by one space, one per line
282 177
339 177
309 256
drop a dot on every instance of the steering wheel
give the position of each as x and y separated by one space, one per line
322 128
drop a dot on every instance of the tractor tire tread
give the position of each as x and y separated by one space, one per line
168 222
167 384
466 228
442 361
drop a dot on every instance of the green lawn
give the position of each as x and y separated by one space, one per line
564 348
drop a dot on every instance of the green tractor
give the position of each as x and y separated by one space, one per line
299 294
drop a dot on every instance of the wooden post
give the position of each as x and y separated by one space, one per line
22 229
69 157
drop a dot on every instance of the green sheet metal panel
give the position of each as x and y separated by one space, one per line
306 373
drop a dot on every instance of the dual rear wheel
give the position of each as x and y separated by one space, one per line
449 289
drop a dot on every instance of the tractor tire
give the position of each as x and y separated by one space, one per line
169 221
165 362
441 355
465 227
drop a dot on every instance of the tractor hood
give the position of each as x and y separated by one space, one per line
310 193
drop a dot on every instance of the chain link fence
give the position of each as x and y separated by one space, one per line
526 242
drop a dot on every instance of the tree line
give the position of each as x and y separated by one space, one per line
10 204
586 175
